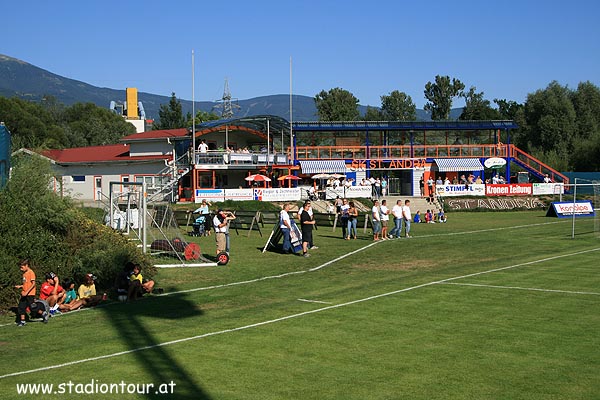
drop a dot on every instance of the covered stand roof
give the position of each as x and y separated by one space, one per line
403 125
255 123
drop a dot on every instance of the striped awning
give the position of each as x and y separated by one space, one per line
323 167
458 164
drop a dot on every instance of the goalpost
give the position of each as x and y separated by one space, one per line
585 189
152 224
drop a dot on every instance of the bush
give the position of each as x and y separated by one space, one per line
54 235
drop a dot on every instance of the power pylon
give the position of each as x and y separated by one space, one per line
227 104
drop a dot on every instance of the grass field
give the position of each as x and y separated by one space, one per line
487 306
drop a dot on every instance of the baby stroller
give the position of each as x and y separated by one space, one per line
199 226
311 195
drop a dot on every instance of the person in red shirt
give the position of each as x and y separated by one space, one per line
27 291
51 291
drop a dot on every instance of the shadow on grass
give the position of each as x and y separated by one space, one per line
154 359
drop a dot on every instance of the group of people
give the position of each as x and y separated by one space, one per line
379 186
401 214
307 224
56 296
430 217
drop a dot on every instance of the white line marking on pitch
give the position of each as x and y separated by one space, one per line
292 316
314 301
520 288
333 261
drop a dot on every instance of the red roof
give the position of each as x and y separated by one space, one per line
160 134
94 154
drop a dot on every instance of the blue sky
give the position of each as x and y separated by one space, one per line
506 49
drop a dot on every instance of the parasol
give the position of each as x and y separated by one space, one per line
289 177
321 176
257 178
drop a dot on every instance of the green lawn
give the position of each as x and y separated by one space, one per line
487 306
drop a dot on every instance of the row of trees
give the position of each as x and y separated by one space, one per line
558 125
52 125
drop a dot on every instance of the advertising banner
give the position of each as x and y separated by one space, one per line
239 194
209 194
548 188
350 192
509 189
565 209
277 194
476 189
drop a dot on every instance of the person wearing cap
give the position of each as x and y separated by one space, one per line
51 290
87 293
27 291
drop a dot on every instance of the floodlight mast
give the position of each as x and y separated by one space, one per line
193 152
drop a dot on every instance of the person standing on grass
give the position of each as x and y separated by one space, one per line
398 218
376 217
385 217
286 226
27 291
306 222
407 217
352 220
344 218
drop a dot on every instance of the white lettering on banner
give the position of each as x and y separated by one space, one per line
277 194
496 204
567 208
513 189
476 189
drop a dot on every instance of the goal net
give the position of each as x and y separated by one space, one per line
152 225
588 191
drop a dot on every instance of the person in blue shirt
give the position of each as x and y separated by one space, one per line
417 219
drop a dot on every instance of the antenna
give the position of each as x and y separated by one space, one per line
227 104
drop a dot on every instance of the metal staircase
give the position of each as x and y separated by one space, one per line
174 171
535 166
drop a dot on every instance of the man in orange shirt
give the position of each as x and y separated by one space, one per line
27 290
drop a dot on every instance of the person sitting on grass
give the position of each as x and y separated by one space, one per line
441 217
87 295
67 300
429 217
417 219
51 291
137 286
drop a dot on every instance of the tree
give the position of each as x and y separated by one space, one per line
398 106
373 114
201 116
337 105
508 109
440 94
171 115
90 125
476 107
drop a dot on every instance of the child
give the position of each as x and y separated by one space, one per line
27 291
137 286
417 219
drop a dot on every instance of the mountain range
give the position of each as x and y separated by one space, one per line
21 79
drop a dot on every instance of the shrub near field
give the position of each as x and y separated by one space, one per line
54 235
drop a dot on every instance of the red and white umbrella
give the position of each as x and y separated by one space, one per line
288 178
257 178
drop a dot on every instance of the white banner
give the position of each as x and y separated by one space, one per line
209 194
350 192
277 194
476 189
548 188
239 194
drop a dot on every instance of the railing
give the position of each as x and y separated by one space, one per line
406 151
536 166
232 158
